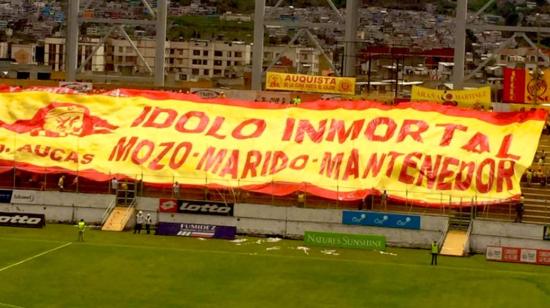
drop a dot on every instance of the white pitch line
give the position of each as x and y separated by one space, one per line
31 240
35 256
253 253
9 306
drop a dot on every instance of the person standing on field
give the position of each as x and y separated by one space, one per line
148 221
435 252
139 222
81 227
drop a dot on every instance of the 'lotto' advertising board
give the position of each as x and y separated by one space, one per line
381 220
196 207
25 220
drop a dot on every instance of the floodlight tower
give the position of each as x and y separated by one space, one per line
463 21
74 20
347 23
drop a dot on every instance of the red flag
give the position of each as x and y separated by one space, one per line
514 85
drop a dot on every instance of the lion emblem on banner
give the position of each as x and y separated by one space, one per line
536 89
61 120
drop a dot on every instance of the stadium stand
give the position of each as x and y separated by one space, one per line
536 193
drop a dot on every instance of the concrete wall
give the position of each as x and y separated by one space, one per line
283 221
64 207
248 218
493 233
293 222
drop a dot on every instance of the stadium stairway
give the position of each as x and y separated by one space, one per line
536 197
454 243
458 233
118 218
125 202
536 205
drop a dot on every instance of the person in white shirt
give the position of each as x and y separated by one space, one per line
114 185
139 222
148 221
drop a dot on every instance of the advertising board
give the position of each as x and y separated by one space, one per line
341 240
381 220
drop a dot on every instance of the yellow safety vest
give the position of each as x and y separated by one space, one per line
435 248
81 225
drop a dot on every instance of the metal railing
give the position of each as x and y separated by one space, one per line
466 248
108 211
239 191
129 209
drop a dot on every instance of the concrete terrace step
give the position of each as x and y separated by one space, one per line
118 219
536 213
497 217
454 243
535 189
525 215
537 205
535 202
536 194
536 208
534 186
508 219
542 205
536 220
536 198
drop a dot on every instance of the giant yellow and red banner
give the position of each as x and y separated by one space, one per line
310 83
337 150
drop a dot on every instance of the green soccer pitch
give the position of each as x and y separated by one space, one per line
48 268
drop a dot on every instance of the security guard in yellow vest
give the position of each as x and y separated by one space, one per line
435 252
81 227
